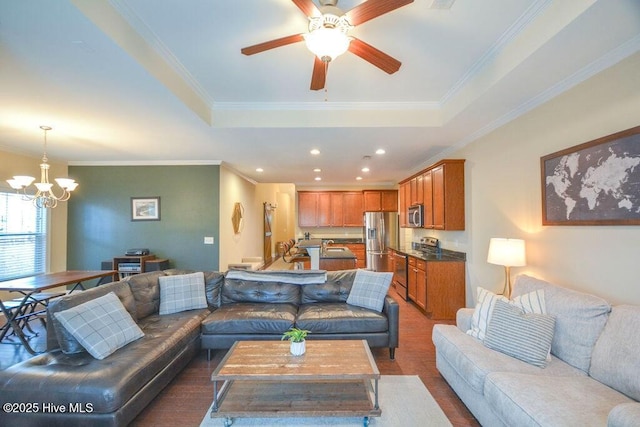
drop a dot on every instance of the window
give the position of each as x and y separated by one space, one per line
23 237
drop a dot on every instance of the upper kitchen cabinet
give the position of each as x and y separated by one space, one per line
330 209
441 192
353 213
380 200
308 209
405 198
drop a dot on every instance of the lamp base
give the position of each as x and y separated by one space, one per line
507 282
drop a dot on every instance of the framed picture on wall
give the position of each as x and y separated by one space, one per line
595 183
145 209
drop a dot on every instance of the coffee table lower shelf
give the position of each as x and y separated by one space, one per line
281 399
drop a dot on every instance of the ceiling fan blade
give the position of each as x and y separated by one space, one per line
307 7
319 75
272 44
376 57
372 9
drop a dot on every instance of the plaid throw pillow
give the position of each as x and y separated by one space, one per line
101 325
182 292
369 289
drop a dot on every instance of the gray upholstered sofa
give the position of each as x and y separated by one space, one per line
591 379
113 390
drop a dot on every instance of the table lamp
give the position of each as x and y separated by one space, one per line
508 253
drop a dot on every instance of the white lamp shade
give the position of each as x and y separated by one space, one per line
506 252
327 42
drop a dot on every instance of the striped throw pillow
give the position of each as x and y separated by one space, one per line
532 302
516 333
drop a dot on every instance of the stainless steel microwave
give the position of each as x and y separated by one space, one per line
414 216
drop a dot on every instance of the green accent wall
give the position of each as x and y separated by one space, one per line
99 216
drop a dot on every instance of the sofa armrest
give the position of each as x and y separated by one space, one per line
463 318
624 415
391 309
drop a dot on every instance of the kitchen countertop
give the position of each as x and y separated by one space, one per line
338 240
345 254
432 254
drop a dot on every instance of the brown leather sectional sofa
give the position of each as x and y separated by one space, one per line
112 391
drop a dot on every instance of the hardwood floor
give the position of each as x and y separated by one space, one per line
186 399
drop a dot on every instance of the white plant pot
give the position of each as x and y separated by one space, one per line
298 348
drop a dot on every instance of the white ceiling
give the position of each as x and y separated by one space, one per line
164 82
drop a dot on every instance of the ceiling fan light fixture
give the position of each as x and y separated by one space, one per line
327 43
327 37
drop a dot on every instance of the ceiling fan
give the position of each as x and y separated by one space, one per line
328 23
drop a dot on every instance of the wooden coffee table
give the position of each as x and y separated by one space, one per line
259 379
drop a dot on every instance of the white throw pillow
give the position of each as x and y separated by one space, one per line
182 292
532 302
369 289
101 325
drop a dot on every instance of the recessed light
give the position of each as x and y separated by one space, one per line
380 151
318 178
259 170
358 178
365 169
315 151
317 170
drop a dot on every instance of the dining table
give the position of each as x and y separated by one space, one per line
29 287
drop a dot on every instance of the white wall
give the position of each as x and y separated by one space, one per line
503 193
248 242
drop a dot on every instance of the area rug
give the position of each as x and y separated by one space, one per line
404 401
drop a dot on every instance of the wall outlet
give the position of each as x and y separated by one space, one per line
208 241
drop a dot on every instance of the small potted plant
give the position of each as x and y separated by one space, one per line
297 338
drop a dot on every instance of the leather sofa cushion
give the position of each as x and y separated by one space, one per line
250 291
146 291
340 318
250 318
336 288
107 384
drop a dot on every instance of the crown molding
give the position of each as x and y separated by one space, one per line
145 163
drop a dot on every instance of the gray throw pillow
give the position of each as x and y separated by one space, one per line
101 325
525 336
182 292
369 289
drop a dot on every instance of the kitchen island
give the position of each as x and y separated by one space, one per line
328 258
337 258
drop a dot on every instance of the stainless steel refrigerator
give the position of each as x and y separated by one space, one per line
380 231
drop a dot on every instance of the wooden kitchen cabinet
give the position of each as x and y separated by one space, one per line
412 280
441 192
448 195
445 289
353 211
427 187
437 287
380 200
405 198
330 209
418 275
359 251
307 209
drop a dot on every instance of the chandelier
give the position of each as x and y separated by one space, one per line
44 197
327 37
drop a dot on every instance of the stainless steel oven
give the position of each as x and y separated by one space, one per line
400 274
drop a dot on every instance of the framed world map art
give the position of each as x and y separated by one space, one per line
595 183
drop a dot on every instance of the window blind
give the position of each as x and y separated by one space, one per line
23 237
